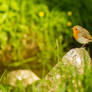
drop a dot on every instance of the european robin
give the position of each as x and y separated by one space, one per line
81 35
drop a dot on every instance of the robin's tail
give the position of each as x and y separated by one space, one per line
90 38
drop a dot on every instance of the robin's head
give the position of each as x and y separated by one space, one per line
76 31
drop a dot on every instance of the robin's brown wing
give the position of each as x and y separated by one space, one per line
84 32
87 36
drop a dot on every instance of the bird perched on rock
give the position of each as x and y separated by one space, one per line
81 35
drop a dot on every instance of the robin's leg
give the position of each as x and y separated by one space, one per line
83 46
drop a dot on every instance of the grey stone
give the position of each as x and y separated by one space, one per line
77 58
26 77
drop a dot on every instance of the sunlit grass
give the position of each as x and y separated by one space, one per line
35 35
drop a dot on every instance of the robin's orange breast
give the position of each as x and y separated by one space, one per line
75 33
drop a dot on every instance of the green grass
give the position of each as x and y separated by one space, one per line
70 81
35 34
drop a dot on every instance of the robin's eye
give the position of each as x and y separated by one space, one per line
75 28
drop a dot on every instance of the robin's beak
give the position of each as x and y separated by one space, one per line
73 28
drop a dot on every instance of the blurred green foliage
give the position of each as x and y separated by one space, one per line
37 33
29 29
81 10
39 29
